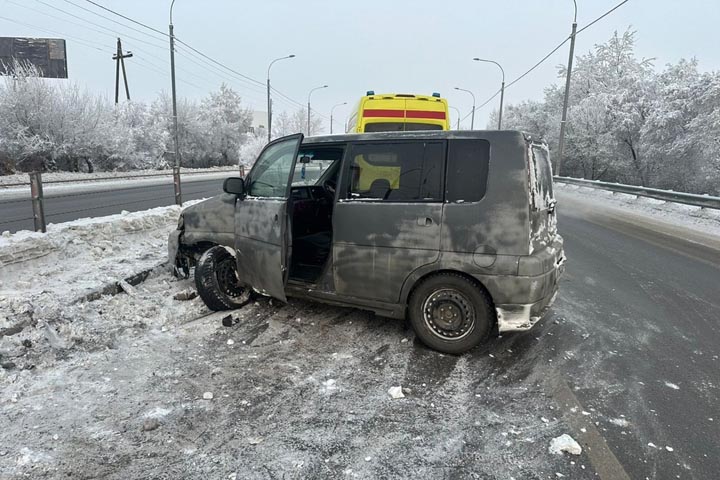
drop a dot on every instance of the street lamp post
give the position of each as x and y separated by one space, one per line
331 114
176 168
502 87
309 94
269 100
472 121
458 117
563 120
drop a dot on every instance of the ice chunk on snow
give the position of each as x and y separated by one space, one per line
396 392
620 422
564 443
672 385
208 395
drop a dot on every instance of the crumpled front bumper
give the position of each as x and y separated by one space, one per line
177 262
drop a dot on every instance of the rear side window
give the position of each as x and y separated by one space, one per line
541 188
396 172
467 170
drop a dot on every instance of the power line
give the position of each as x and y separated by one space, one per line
104 31
127 18
602 16
189 56
110 19
190 47
250 79
547 56
81 41
114 34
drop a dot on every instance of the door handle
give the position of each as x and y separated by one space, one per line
424 221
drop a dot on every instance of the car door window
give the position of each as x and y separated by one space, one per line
269 177
396 172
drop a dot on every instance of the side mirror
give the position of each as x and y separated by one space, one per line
234 185
305 159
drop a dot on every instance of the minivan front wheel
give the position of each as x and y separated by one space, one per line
217 282
450 313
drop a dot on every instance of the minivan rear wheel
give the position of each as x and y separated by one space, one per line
450 313
217 282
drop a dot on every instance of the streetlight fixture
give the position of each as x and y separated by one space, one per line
458 117
176 168
331 114
309 94
472 121
502 87
563 120
269 100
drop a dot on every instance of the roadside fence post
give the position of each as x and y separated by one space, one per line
36 192
176 183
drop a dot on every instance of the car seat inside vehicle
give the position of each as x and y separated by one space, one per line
312 199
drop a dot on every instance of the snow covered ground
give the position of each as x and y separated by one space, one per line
148 384
145 385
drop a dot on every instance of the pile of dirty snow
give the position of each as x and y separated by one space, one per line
41 274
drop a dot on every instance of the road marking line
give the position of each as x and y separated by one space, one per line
602 458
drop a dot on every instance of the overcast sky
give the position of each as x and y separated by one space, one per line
387 46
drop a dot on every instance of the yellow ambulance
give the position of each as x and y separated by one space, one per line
392 112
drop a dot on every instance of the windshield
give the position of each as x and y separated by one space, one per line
312 164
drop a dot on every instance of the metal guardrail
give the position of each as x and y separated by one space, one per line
39 201
129 176
703 201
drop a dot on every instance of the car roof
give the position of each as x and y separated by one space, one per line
417 135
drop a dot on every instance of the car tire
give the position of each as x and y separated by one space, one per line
216 280
451 313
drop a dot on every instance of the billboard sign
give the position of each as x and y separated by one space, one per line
48 55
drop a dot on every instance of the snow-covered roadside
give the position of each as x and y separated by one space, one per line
12 193
705 220
41 273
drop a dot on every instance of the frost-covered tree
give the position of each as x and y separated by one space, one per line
631 124
225 122
296 122
251 148
47 125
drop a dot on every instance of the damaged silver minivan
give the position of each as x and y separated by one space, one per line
454 230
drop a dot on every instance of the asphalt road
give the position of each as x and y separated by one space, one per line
635 339
17 214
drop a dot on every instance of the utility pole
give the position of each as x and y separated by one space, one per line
119 58
176 168
269 100
563 120
502 87
331 114
458 117
308 107
472 121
